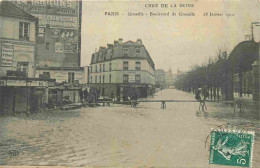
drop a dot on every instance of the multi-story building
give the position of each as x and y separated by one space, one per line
169 78
121 65
18 84
160 78
58 38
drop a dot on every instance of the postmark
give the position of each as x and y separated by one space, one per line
231 147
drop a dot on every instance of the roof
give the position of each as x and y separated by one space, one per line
116 51
243 56
9 9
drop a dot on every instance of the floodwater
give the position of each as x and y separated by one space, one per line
120 135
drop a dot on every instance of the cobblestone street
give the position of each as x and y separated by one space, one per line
118 135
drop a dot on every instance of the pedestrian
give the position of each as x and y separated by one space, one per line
85 93
81 96
113 96
205 93
198 97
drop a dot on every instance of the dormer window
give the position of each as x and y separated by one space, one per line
125 52
137 51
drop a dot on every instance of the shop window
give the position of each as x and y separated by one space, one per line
138 66
138 78
71 76
24 30
125 78
125 65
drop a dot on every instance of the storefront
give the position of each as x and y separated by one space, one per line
23 94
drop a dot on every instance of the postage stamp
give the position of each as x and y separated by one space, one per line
231 147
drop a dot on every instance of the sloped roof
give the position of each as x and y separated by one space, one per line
243 56
10 10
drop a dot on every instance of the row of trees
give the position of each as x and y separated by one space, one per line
214 75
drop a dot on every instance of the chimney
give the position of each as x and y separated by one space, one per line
102 47
139 41
109 45
120 40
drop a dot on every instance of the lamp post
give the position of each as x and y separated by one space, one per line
252 28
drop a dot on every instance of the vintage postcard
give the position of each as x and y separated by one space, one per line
120 83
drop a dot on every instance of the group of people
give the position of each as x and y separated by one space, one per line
89 95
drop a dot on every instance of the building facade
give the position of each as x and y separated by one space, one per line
17 40
116 68
20 91
58 36
169 78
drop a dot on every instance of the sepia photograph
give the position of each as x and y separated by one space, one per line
120 83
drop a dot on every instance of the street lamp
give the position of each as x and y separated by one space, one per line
252 28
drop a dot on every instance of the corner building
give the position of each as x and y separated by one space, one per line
120 66
58 38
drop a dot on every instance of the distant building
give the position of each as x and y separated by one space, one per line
58 36
120 66
169 78
160 78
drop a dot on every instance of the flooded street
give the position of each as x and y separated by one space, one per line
119 135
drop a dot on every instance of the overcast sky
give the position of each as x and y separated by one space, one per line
173 42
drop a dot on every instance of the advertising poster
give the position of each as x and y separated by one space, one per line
7 55
175 84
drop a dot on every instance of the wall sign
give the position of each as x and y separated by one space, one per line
131 77
16 83
7 55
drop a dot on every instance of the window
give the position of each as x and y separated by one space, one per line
46 75
125 65
125 78
100 66
23 67
91 79
125 52
24 30
95 79
109 78
138 66
137 51
110 66
71 76
99 79
103 78
138 78
47 46
104 67
96 68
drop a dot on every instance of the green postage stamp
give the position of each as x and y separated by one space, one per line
231 148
